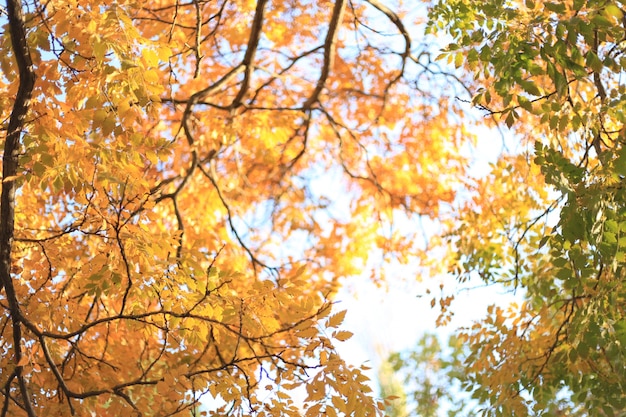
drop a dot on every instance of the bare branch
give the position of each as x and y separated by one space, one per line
329 51
253 43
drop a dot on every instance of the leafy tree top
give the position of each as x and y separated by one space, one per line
157 168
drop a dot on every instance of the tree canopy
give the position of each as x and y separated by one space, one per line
170 231
165 236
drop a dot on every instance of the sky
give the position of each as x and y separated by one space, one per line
392 318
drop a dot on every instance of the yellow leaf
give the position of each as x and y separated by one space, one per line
100 115
91 27
99 49
150 57
336 319
342 335
151 76
123 107
339 404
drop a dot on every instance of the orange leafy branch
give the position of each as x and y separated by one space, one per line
175 232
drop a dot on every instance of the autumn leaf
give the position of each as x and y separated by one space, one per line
342 335
336 319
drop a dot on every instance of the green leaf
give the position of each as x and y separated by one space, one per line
613 11
510 119
593 61
525 103
530 87
534 69
58 184
609 237
620 162
601 21
555 7
560 82
573 227
47 159
564 274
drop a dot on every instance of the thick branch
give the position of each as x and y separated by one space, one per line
9 173
16 125
253 43
329 51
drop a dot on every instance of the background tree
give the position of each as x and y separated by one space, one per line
431 376
164 233
435 382
553 72
392 390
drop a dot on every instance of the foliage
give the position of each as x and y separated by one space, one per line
550 221
431 375
392 390
434 376
164 233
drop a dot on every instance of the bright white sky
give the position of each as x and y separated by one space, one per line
385 320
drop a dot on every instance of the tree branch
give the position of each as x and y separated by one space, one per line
329 51
9 174
253 43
